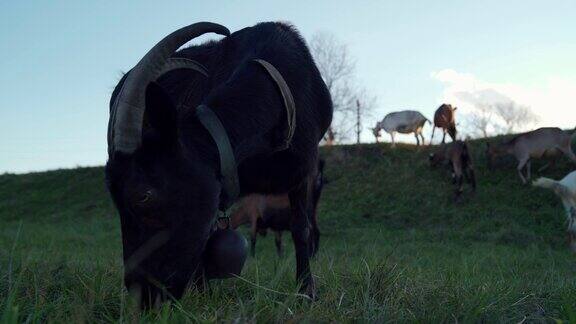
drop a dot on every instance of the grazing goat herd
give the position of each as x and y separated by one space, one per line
238 121
536 144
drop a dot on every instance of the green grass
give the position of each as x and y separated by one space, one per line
395 248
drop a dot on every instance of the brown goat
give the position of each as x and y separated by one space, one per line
444 118
273 212
535 144
252 209
457 156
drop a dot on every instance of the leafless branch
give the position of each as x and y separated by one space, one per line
338 71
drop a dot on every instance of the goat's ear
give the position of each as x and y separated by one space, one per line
455 108
160 117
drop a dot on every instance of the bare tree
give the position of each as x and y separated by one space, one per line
480 121
336 66
338 70
495 112
514 116
330 137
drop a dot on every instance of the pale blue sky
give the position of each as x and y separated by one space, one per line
59 60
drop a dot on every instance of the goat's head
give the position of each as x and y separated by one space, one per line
452 126
166 196
449 107
435 159
376 130
438 157
452 131
492 152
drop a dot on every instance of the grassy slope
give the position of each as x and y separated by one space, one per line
394 248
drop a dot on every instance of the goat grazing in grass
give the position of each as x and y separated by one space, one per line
566 190
272 212
444 118
192 130
457 156
404 122
534 144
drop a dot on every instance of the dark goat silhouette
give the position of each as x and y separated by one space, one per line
164 171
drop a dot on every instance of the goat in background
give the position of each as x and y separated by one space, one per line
566 190
272 212
404 122
444 118
457 156
534 144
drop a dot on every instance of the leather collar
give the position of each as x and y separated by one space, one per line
228 167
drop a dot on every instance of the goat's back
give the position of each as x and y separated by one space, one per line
250 106
403 121
540 141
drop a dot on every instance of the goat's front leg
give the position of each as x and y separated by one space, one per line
471 177
571 229
458 177
315 236
459 189
253 234
520 167
300 204
278 241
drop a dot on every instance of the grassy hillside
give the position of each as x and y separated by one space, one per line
395 247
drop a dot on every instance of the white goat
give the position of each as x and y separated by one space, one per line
566 190
404 122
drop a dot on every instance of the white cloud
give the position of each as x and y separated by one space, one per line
553 100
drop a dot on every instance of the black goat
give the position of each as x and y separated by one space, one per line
164 170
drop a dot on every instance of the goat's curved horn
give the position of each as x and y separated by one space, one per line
176 63
126 117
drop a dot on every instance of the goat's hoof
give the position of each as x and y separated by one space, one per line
309 290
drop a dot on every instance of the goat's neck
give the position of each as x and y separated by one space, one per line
504 148
247 134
